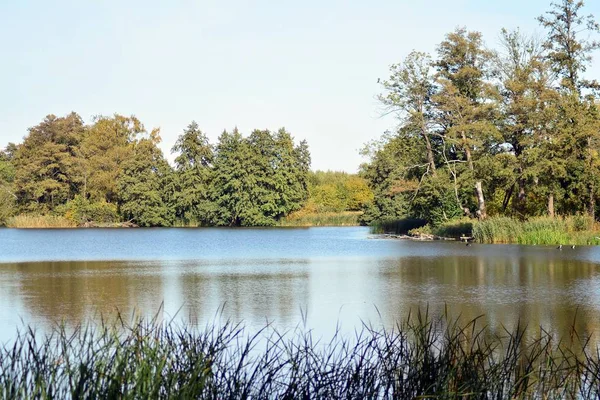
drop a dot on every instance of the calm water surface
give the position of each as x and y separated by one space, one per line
318 276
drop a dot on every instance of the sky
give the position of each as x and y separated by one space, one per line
310 66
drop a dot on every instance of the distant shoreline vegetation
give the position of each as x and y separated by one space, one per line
502 144
572 230
111 173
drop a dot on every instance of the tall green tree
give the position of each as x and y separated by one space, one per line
408 93
231 181
570 44
142 185
528 112
467 101
193 176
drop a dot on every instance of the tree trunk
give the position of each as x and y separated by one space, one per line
521 196
592 202
551 205
481 212
592 197
430 158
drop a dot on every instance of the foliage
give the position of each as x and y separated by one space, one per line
112 171
46 171
142 195
513 132
82 211
258 180
192 177
7 177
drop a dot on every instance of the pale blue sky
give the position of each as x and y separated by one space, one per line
311 66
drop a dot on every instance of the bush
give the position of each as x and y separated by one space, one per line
82 211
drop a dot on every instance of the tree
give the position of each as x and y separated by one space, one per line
143 198
466 100
569 50
193 175
47 172
528 112
230 184
7 177
408 93
106 146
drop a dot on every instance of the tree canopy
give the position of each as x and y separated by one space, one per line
113 170
512 131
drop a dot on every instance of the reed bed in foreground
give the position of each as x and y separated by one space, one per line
39 221
420 358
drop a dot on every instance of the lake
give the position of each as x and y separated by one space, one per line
315 277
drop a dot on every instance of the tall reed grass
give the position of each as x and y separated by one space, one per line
39 221
573 230
300 218
397 226
420 358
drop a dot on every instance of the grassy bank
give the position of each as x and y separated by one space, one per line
301 218
419 358
572 230
52 221
39 221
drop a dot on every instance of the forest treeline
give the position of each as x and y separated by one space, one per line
112 171
512 131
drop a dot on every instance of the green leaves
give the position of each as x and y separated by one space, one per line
259 179
515 132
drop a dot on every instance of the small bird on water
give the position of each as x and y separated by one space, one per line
573 246
559 247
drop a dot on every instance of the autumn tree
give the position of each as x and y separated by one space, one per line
47 172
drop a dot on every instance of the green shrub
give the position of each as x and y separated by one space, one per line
82 211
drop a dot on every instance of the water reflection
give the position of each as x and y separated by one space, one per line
379 282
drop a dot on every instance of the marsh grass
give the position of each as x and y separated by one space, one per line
303 219
39 221
573 230
419 358
398 226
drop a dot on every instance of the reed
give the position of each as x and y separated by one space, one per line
303 219
421 357
572 230
397 226
39 221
